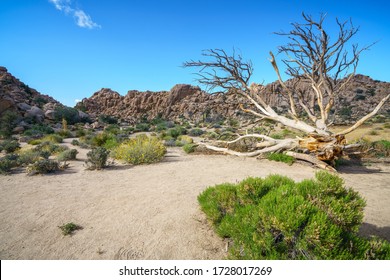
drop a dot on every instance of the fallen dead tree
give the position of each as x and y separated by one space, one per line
313 59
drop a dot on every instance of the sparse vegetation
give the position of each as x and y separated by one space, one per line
280 157
97 158
189 148
9 146
69 228
67 155
8 122
141 150
43 166
277 218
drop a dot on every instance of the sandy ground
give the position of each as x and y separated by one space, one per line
146 212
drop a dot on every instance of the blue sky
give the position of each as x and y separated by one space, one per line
69 49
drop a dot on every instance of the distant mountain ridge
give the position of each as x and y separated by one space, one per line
182 101
190 102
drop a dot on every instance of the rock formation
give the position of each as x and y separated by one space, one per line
192 103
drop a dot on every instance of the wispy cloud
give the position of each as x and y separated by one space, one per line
82 19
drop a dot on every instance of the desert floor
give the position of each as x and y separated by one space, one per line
147 212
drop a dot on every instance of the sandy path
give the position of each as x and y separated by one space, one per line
142 212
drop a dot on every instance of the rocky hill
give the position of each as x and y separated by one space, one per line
190 102
27 102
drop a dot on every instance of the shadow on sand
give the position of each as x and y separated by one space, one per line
368 230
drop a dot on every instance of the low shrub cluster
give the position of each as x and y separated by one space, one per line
189 148
43 166
141 150
67 155
9 146
277 218
97 158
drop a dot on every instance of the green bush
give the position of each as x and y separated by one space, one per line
141 150
65 133
7 163
75 142
9 146
67 155
196 132
43 166
142 127
112 129
71 115
277 218
38 130
50 147
97 158
108 119
29 156
189 148
8 122
281 157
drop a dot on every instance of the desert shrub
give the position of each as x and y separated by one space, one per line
29 156
71 115
373 132
65 133
142 127
53 138
277 218
111 143
281 157
170 142
9 146
69 228
386 125
97 158
80 132
108 119
50 147
112 129
8 122
141 150
185 139
67 155
196 132
227 136
38 130
6 164
75 142
189 148
381 148
43 166
212 135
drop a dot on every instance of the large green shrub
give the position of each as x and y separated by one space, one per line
277 218
71 115
141 150
97 158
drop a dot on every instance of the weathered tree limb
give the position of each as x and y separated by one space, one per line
311 159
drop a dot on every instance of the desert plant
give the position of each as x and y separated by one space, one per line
38 129
196 132
67 155
6 164
142 127
280 157
141 150
97 158
9 146
70 115
8 122
69 228
277 218
108 119
26 157
189 148
75 142
43 166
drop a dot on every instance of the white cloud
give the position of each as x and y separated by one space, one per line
82 19
77 101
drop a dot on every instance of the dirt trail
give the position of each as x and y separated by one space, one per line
145 212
